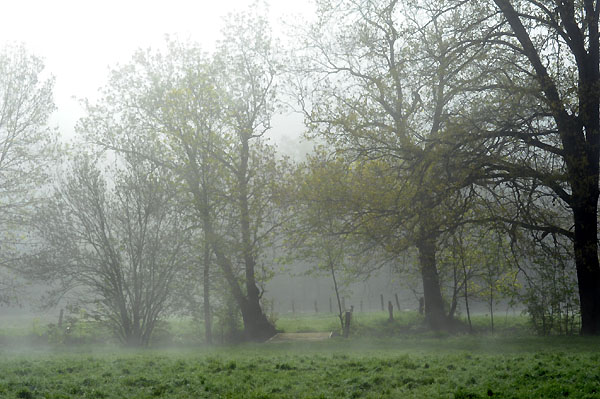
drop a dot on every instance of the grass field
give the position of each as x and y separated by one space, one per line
398 364
376 324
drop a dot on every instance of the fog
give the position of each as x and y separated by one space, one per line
349 198
81 41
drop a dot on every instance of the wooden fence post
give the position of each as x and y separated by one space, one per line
397 301
391 311
382 307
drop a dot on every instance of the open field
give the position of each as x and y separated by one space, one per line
41 330
377 324
451 367
381 360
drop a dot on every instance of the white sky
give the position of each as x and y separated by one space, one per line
80 39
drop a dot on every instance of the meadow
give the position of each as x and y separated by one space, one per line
399 361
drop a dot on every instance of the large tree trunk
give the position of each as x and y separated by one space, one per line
580 138
206 293
588 269
581 146
256 324
585 184
434 305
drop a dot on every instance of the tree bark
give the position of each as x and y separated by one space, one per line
337 293
434 305
256 324
580 138
455 293
466 291
206 293
588 270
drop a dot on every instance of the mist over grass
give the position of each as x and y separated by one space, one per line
42 331
431 367
381 359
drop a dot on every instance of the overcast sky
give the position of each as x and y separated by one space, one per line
80 39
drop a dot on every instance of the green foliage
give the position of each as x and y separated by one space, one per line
203 117
321 231
551 297
477 265
228 326
119 237
28 150
549 292
386 85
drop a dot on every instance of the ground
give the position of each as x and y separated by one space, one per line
407 365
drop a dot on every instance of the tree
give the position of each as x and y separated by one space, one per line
320 232
481 265
542 124
496 277
27 146
119 248
376 95
550 282
247 58
166 108
204 117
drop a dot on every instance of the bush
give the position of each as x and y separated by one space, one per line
552 299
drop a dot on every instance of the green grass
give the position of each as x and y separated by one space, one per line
186 331
377 324
382 359
452 367
308 322
43 331
311 322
